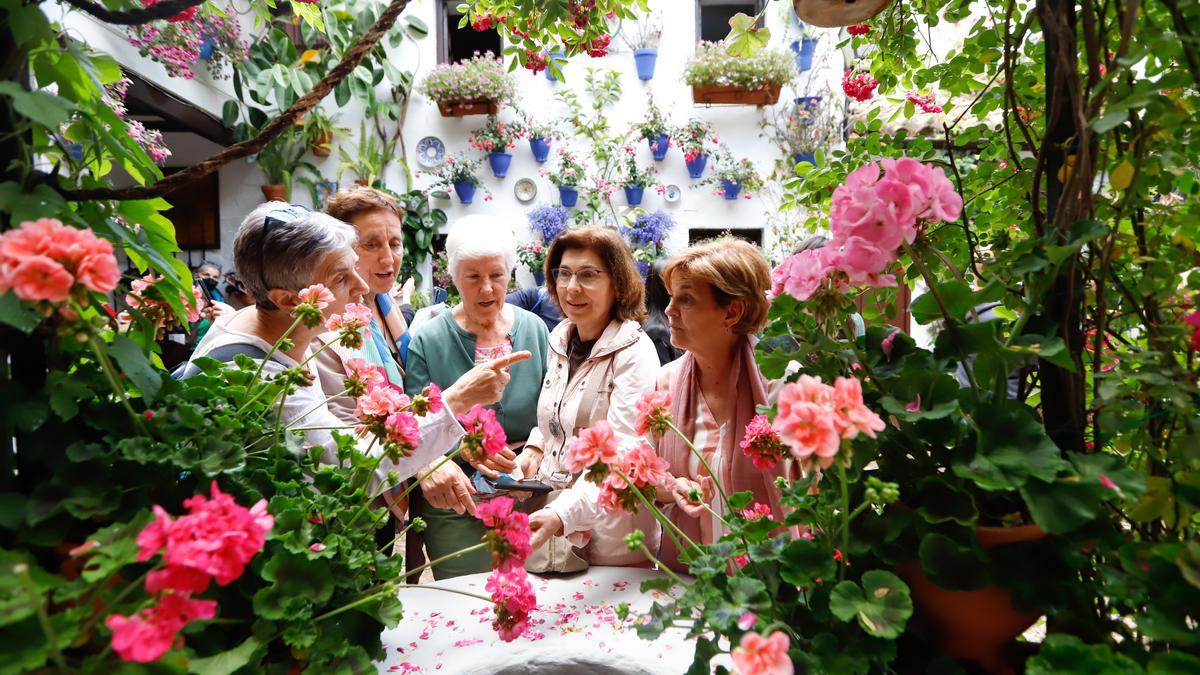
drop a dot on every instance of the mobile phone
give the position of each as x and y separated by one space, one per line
537 487
203 289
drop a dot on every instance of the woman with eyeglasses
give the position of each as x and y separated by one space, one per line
600 363
279 250
481 254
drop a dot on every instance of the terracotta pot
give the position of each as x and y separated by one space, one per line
768 95
485 106
974 625
274 193
362 181
322 145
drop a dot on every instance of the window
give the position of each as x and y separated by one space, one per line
456 44
753 235
195 211
712 16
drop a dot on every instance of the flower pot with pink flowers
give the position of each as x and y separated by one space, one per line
494 138
719 77
696 139
633 179
733 178
460 174
656 129
474 86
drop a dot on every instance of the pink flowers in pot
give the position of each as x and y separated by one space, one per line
879 209
214 541
45 261
814 418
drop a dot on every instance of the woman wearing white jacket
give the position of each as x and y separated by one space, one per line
599 365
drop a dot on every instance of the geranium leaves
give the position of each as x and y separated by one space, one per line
882 604
804 562
745 39
1011 447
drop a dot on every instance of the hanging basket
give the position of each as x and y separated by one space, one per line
727 95
837 13
482 106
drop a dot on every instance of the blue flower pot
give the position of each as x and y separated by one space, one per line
804 157
645 59
557 57
499 162
659 147
732 189
804 50
539 278
696 166
74 151
809 103
465 191
540 148
568 195
633 194
206 49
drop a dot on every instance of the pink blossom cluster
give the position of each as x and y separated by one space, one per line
514 600
536 61
859 29
508 533
926 102
361 377
858 86
214 541
146 295
643 468
877 210
484 436
758 655
1193 320
386 412
478 78
176 48
761 443
756 511
593 446
653 413
814 418
598 46
44 260
351 325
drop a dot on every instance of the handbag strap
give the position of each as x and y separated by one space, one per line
591 391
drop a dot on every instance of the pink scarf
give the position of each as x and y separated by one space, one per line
747 389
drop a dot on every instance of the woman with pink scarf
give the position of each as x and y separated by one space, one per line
718 302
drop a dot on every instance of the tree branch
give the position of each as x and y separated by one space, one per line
273 128
135 17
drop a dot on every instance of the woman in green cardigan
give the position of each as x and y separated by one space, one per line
481 254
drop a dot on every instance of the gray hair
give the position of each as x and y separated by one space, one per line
294 244
475 237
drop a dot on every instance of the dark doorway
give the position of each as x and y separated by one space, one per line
456 44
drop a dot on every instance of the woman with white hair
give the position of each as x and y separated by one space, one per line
481 254
281 249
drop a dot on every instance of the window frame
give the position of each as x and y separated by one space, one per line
759 5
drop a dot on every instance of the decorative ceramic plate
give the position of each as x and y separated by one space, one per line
672 194
525 190
430 151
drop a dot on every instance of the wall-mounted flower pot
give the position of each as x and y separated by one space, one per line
633 194
557 57
645 60
540 148
465 190
482 106
322 145
499 162
659 147
274 193
726 95
695 166
206 49
568 195
978 624
363 182
808 103
539 279
809 157
804 50
731 189
74 150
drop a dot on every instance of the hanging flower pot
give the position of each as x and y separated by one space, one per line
804 50
808 103
362 181
540 148
465 190
633 194
568 195
274 193
206 48
462 108
322 145
557 57
499 162
695 165
767 94
74 150
645 60
730 189
659 147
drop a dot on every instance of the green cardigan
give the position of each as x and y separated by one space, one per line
441 351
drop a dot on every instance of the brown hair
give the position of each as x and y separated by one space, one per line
346 204
735 269
630 304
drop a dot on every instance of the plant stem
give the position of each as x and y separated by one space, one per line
392 543
658 515
704 462
314 407
448 556
275 348
113 381
429 473
662 568
446 590
43 618
951 326
845 490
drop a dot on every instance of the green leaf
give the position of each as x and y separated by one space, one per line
1063 653
1110 120
706 649
1011 447
1062 505
228 662
230 113
804 561
950 564
18 314
136 366
941 501
958 297
416 27
40 107
882 604
744 39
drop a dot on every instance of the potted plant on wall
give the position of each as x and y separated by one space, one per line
368 160
694 139
208 35
805 47
532 254
634 179
809 127
476 86
732 179
718 77
493 138
459 173
655 129
280 161
642 39
541 136
319 130
646 234
567 177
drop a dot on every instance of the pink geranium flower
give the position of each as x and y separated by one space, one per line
508 533
317 295
807 427
653 413
362 377
641 465
853 416
428 401
484 436
41 278
403 433
514 600
761 443
758 655
380 402
595 444
145 637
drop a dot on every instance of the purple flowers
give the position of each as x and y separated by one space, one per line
549 222
649 228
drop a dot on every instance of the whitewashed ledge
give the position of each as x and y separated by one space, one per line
575 630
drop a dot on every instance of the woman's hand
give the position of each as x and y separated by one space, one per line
528 462
215 310
543 525
448 488
683 491
492 466
482 385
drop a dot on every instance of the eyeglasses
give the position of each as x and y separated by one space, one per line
275 218
587 277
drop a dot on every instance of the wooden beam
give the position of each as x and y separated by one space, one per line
178 115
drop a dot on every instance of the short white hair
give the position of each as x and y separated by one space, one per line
475 237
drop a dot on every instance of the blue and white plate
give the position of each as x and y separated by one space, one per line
430 151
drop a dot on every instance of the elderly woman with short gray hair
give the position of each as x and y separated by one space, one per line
281 249
481 255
